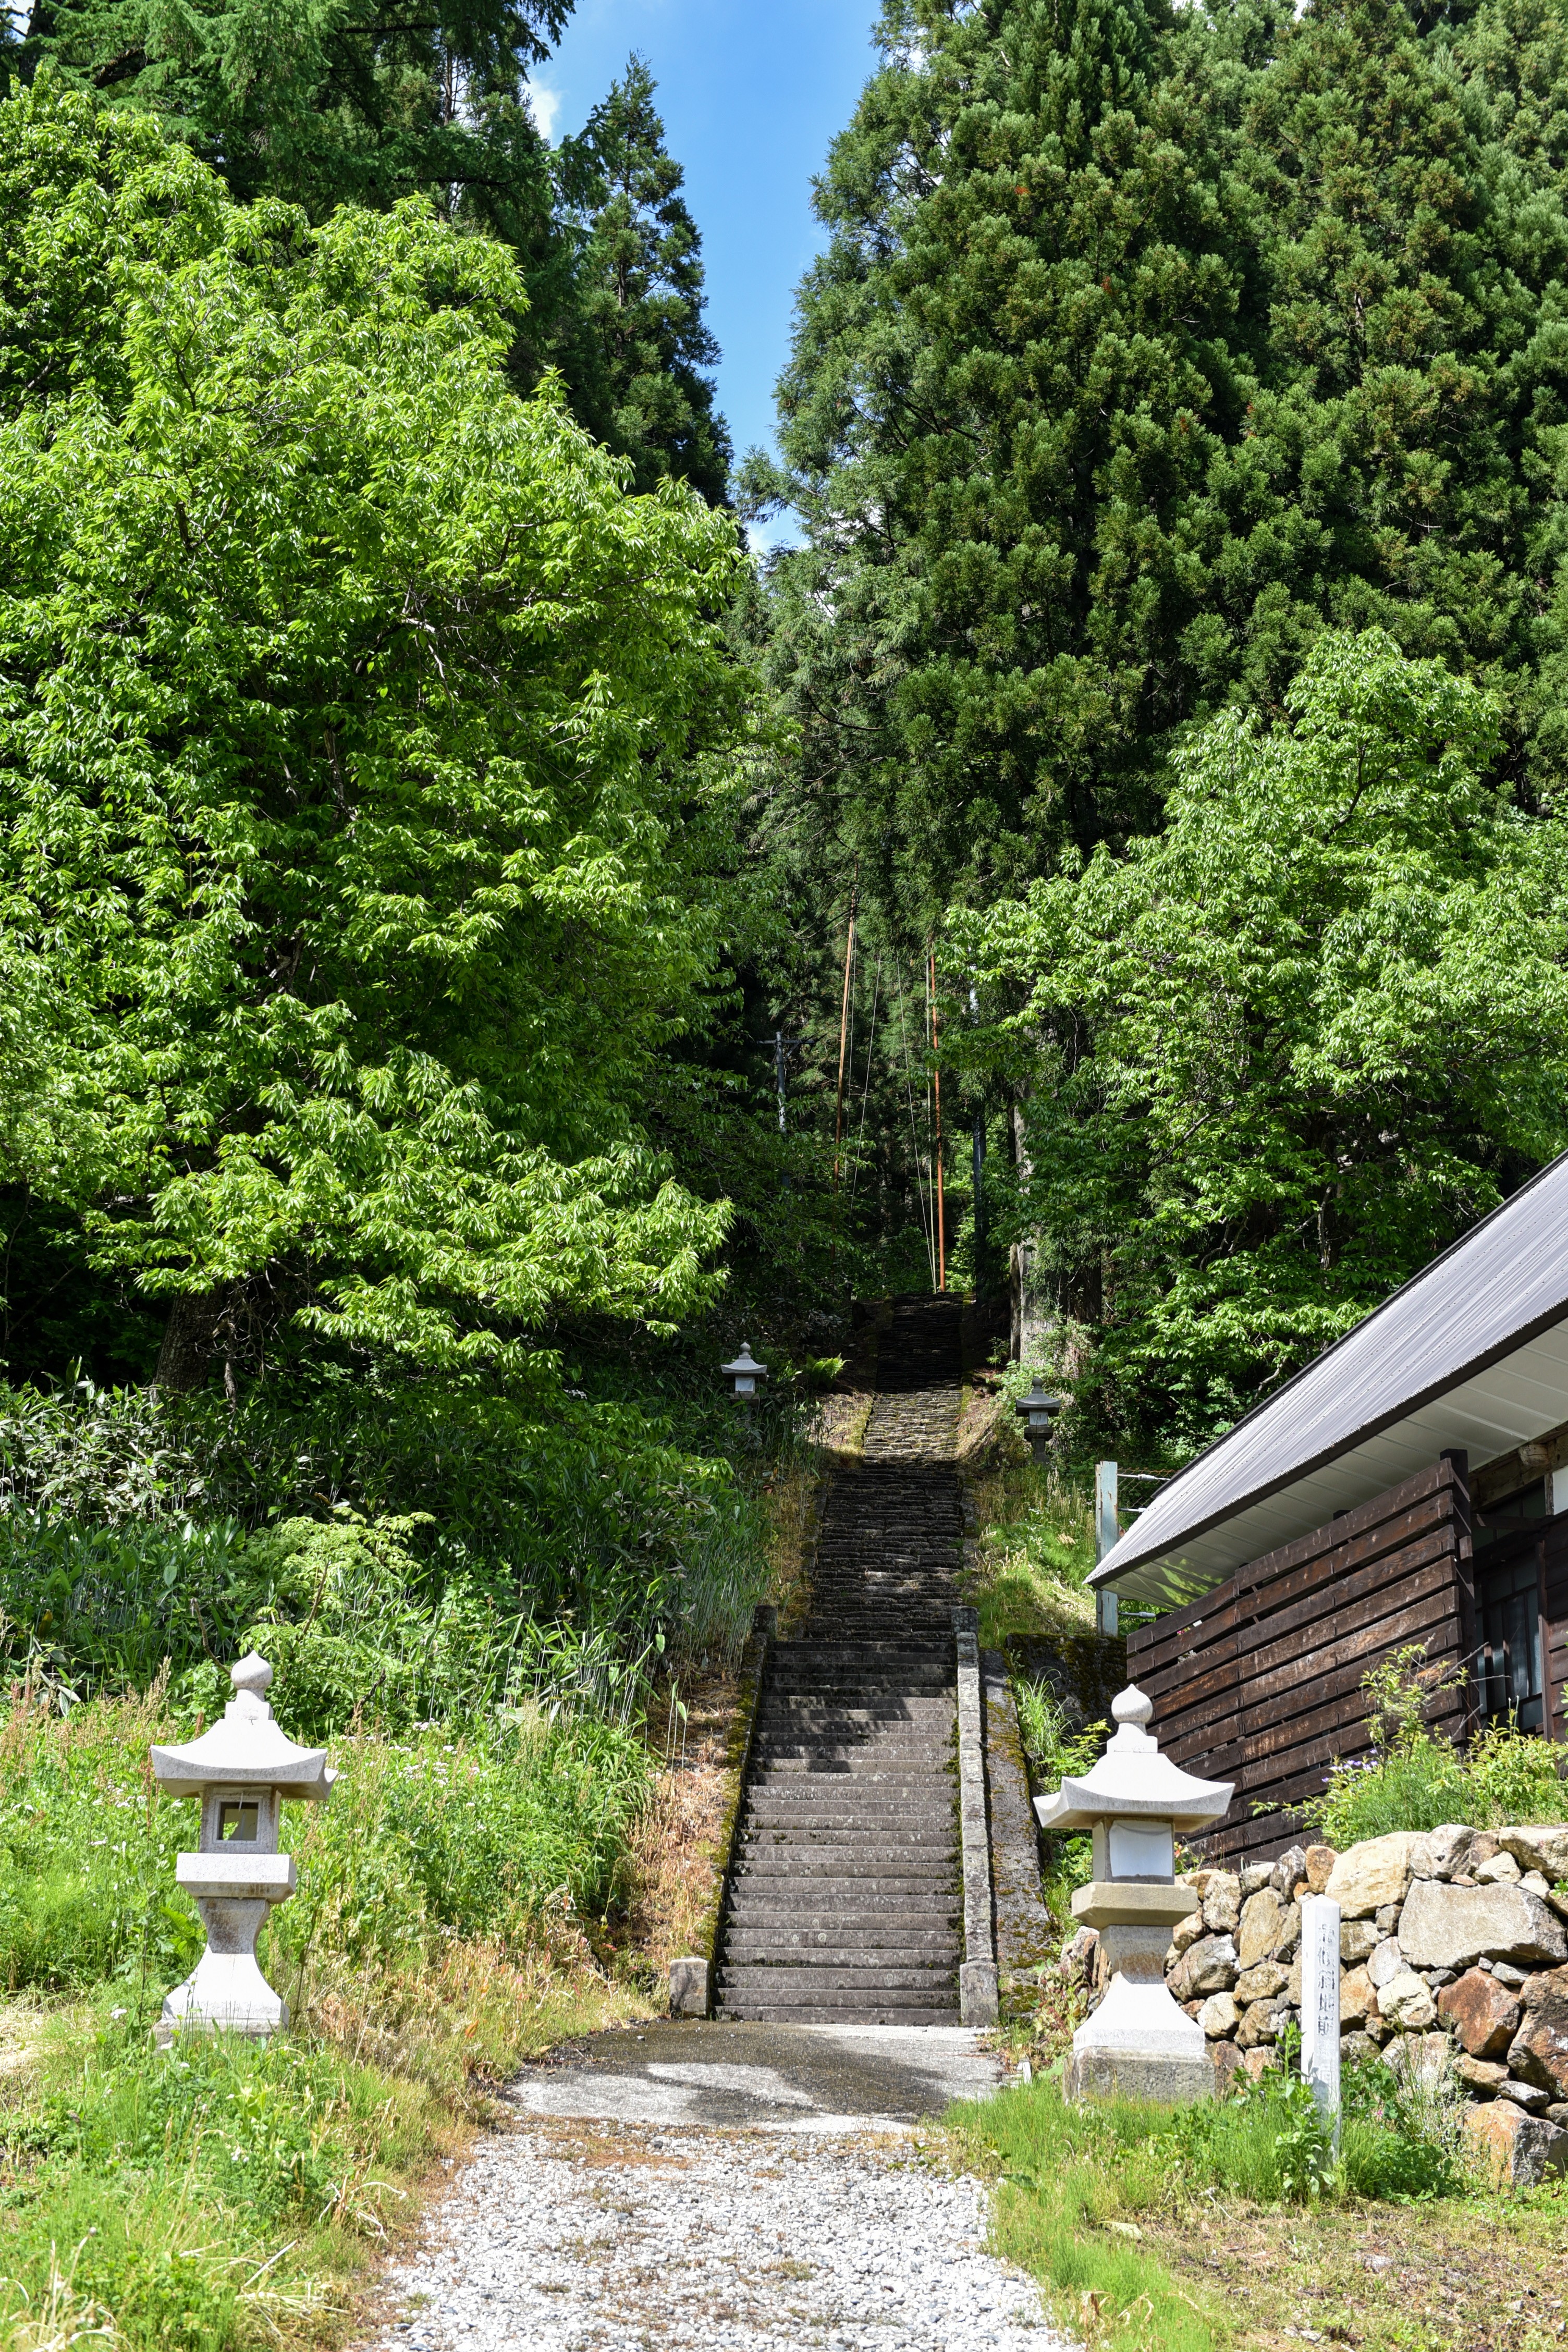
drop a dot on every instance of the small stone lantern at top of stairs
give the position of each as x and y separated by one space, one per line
744 1374
241 1770
1138 2044
1037 1411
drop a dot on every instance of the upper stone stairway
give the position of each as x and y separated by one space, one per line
845 1903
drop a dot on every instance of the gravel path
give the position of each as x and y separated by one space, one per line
609 2238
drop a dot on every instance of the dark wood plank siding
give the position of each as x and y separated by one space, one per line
1259 1682
1554 1630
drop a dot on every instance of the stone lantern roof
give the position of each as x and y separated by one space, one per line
1132 1779
246 1748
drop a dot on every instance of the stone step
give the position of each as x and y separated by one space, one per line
763 1904
809 1707
812 1811
884 2009
901 1838
814 1981
847 1739
936 1775
820 1873
778 1948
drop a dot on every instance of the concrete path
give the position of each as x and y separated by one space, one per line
703 2188
794 2078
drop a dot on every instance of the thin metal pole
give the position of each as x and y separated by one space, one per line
941 1205
1106 1528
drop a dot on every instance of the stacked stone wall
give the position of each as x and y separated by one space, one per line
1453 1954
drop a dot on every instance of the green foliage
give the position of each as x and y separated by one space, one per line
368 107
1281 1053
1146 343
1074 2175
496 1835
1053 1741
347 711
87 1885
153 2194
91 1607
1037 1548
1013 367
334 105
555 1552
639 296
204 2198
493 1838
1415 1779
1515 1776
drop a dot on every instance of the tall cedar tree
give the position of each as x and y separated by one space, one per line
1015 365
1144 347
639 297
327 104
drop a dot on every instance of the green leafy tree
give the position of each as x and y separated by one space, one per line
639 296
350 715
1281 1053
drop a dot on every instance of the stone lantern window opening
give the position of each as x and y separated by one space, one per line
1140 1852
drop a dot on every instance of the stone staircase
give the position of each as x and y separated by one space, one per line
846 1903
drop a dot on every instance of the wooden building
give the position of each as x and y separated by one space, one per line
1410 1486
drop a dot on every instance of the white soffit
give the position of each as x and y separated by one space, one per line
1472 1352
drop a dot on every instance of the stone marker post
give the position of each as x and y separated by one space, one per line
1321 2007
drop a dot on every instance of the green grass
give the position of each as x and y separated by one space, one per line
1037 1548
441 1931
1118 2210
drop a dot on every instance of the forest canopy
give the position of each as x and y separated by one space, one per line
1156 358
1274 1056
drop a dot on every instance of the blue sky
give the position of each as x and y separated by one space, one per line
751 92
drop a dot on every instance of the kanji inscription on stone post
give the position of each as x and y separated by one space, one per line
1320 2006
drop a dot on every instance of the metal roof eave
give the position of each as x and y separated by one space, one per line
1166 1559
1516 1395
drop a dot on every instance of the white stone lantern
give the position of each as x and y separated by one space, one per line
744 1374
241 1770
1138 2044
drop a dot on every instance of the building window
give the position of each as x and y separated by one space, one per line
1508 1514
1508 1598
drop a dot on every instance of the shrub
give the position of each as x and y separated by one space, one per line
1054 1748
133 1520
1415 1779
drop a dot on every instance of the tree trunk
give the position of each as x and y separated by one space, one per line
185 1357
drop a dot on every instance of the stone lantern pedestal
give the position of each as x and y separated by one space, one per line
1138 2044
241 1770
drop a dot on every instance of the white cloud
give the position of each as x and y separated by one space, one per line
545 104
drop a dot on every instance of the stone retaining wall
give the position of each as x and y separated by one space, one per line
1453 1951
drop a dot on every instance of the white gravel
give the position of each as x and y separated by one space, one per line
596 2235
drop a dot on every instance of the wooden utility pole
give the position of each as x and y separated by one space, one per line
941 1209
843 1023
